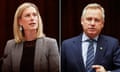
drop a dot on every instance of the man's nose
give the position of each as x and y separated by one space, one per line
92 22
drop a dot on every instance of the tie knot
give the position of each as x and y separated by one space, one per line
91 40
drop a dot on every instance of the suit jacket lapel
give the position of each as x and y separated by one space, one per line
16 56
79 57
100 51
38 54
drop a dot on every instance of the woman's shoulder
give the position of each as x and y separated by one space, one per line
9 45
47 39
11 41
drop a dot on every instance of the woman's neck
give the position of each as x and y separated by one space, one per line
30 35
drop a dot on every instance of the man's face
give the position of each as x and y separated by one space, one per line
92 22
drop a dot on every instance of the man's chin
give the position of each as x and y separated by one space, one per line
92 34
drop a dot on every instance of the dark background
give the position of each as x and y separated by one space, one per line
71 12
49 10
70 18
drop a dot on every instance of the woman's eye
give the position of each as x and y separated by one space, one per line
34 14
27 15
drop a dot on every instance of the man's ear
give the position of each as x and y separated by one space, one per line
81 20
103 24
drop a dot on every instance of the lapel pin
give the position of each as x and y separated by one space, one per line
101 48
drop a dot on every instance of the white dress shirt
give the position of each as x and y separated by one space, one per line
85 45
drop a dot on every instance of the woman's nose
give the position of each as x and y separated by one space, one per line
32 17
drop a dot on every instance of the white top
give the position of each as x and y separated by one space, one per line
85 45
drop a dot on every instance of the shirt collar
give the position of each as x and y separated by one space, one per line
85 37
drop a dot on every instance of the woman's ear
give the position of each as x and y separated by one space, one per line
20 21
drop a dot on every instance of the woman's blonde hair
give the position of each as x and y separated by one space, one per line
18 34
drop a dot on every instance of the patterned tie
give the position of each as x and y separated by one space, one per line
90 56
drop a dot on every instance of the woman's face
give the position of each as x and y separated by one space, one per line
29 19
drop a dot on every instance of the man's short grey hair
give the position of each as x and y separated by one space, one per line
94 6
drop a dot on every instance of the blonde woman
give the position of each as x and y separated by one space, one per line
30 50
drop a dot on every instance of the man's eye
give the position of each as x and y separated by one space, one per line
89 19
97 20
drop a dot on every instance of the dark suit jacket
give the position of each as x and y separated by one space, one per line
46 57
108 56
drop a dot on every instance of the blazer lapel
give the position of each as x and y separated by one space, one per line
100 51
38 54
16 56
78 46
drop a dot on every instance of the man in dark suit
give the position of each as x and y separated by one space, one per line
105 55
